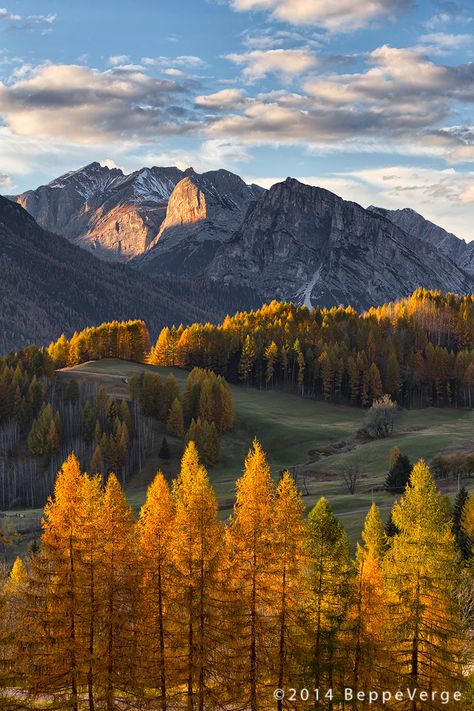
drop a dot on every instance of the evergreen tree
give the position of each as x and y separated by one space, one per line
164 452
419 570
461 537
399 472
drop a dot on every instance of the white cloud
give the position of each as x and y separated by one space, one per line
224 99
439 20
29 22
118 59
284 62
187 61
402 103
9 16
85 105
439 43
333 15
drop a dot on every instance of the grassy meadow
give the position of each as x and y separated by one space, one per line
316 439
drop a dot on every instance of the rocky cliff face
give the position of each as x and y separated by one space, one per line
415 225
307 244
116 216
203 212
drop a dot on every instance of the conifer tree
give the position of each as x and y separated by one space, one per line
368 618
175 421
420 569
118 604
90 587
157 593
164 452
328 598
250 550
53 614
462 538
195 550
399 472
290 545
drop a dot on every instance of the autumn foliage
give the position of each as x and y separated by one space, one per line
179 610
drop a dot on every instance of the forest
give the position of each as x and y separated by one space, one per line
179 610
418 350
43 418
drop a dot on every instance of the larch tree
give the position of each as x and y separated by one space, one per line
420 573
328 550
175 421
117 608
196 545
368 615
154 530
251 554
288 576
88 593
54 627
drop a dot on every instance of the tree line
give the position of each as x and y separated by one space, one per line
418 350
178 610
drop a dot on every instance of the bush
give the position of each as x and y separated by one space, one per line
380 419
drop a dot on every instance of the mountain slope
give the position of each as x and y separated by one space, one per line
415 225
48 285
102 210
203 211
307 244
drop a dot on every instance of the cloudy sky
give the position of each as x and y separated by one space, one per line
372 99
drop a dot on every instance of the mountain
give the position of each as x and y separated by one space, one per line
291 242
103 210
307 244
119 217
415 225
203 212
48 285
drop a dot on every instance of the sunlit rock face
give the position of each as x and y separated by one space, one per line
116 216
307 244
204 211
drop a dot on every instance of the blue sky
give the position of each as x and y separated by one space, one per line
373 100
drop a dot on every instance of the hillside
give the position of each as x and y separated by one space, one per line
48 285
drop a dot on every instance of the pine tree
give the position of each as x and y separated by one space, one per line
154 530
419 570
251 555
328 597
175 421
461 537
164 452
195 550
399 472
72 391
